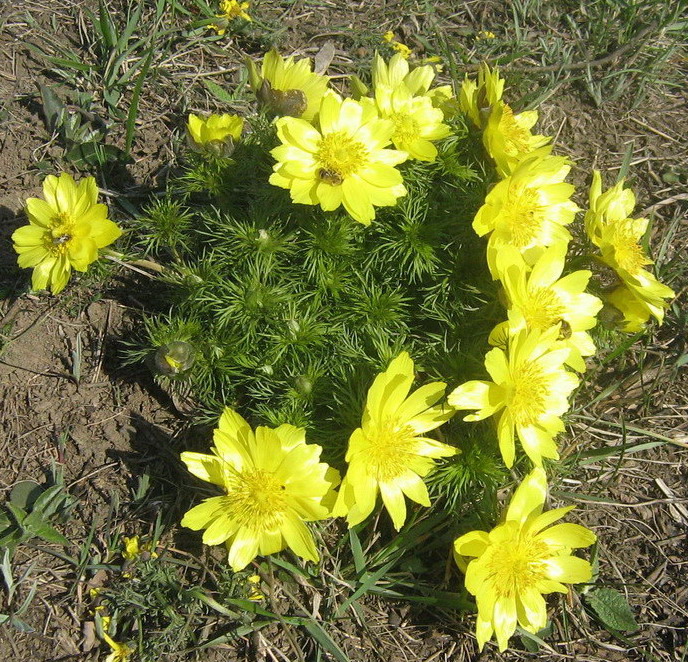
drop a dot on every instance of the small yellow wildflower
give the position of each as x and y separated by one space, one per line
120 652
254 592
286 87
273 483
343 163
65 231
133 549
230 10
618 237
528 394
389 453
485 34
400 48
519 561
216 134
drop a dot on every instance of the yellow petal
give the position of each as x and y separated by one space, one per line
568 569
484 396
242 550
394 501
299 538
413 487
568 535
40 212
504 620
473 543
330 197
505 438
201 515
206 467
529 497
356 199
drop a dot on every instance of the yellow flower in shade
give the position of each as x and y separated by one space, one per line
618 237
133 549
65 231
528 393
229 10
477 99
417 80
416 121
540 299
510 568
254 592
400 48
272 482
286 87
528 210
389 453
216 133
120 652
344 163
634 312
508 138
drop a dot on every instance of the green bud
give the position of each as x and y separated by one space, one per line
174 358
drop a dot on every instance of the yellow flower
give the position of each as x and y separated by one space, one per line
615 204
216 133
229 10
416 121
133 549
417 80
254 593
344 163
618 237
400 48
519 561
528 209
286 87
508 138
540 299
528 393
485 34
477 100
635 313
388 453
120 652
272 482
65 231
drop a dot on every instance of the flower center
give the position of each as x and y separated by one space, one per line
257 499
341 155
522 215
528 393
515 565
628 253
58 238
389 449
542 308
516 137
406 129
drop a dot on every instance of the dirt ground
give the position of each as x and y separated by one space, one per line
104 423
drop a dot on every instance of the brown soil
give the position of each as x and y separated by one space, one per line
105 424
